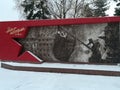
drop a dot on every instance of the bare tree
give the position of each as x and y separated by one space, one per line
69 8
77 9
60 8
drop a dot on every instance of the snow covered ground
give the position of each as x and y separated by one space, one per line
22 80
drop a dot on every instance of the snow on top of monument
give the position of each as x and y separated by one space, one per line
69 66
22 80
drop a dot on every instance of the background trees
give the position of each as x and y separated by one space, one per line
96 8
50 9
100 7
34 9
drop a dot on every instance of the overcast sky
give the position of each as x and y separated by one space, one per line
9 12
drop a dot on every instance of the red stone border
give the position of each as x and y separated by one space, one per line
61 70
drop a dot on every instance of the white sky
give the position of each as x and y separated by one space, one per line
111 10
10 13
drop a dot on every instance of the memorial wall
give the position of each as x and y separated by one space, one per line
88 40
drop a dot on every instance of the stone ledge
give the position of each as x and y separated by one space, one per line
61 70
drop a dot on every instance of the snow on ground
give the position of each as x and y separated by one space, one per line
22 80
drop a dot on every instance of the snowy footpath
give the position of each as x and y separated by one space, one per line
22 80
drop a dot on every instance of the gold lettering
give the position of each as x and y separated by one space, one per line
15 31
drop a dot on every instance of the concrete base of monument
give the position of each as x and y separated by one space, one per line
105 70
